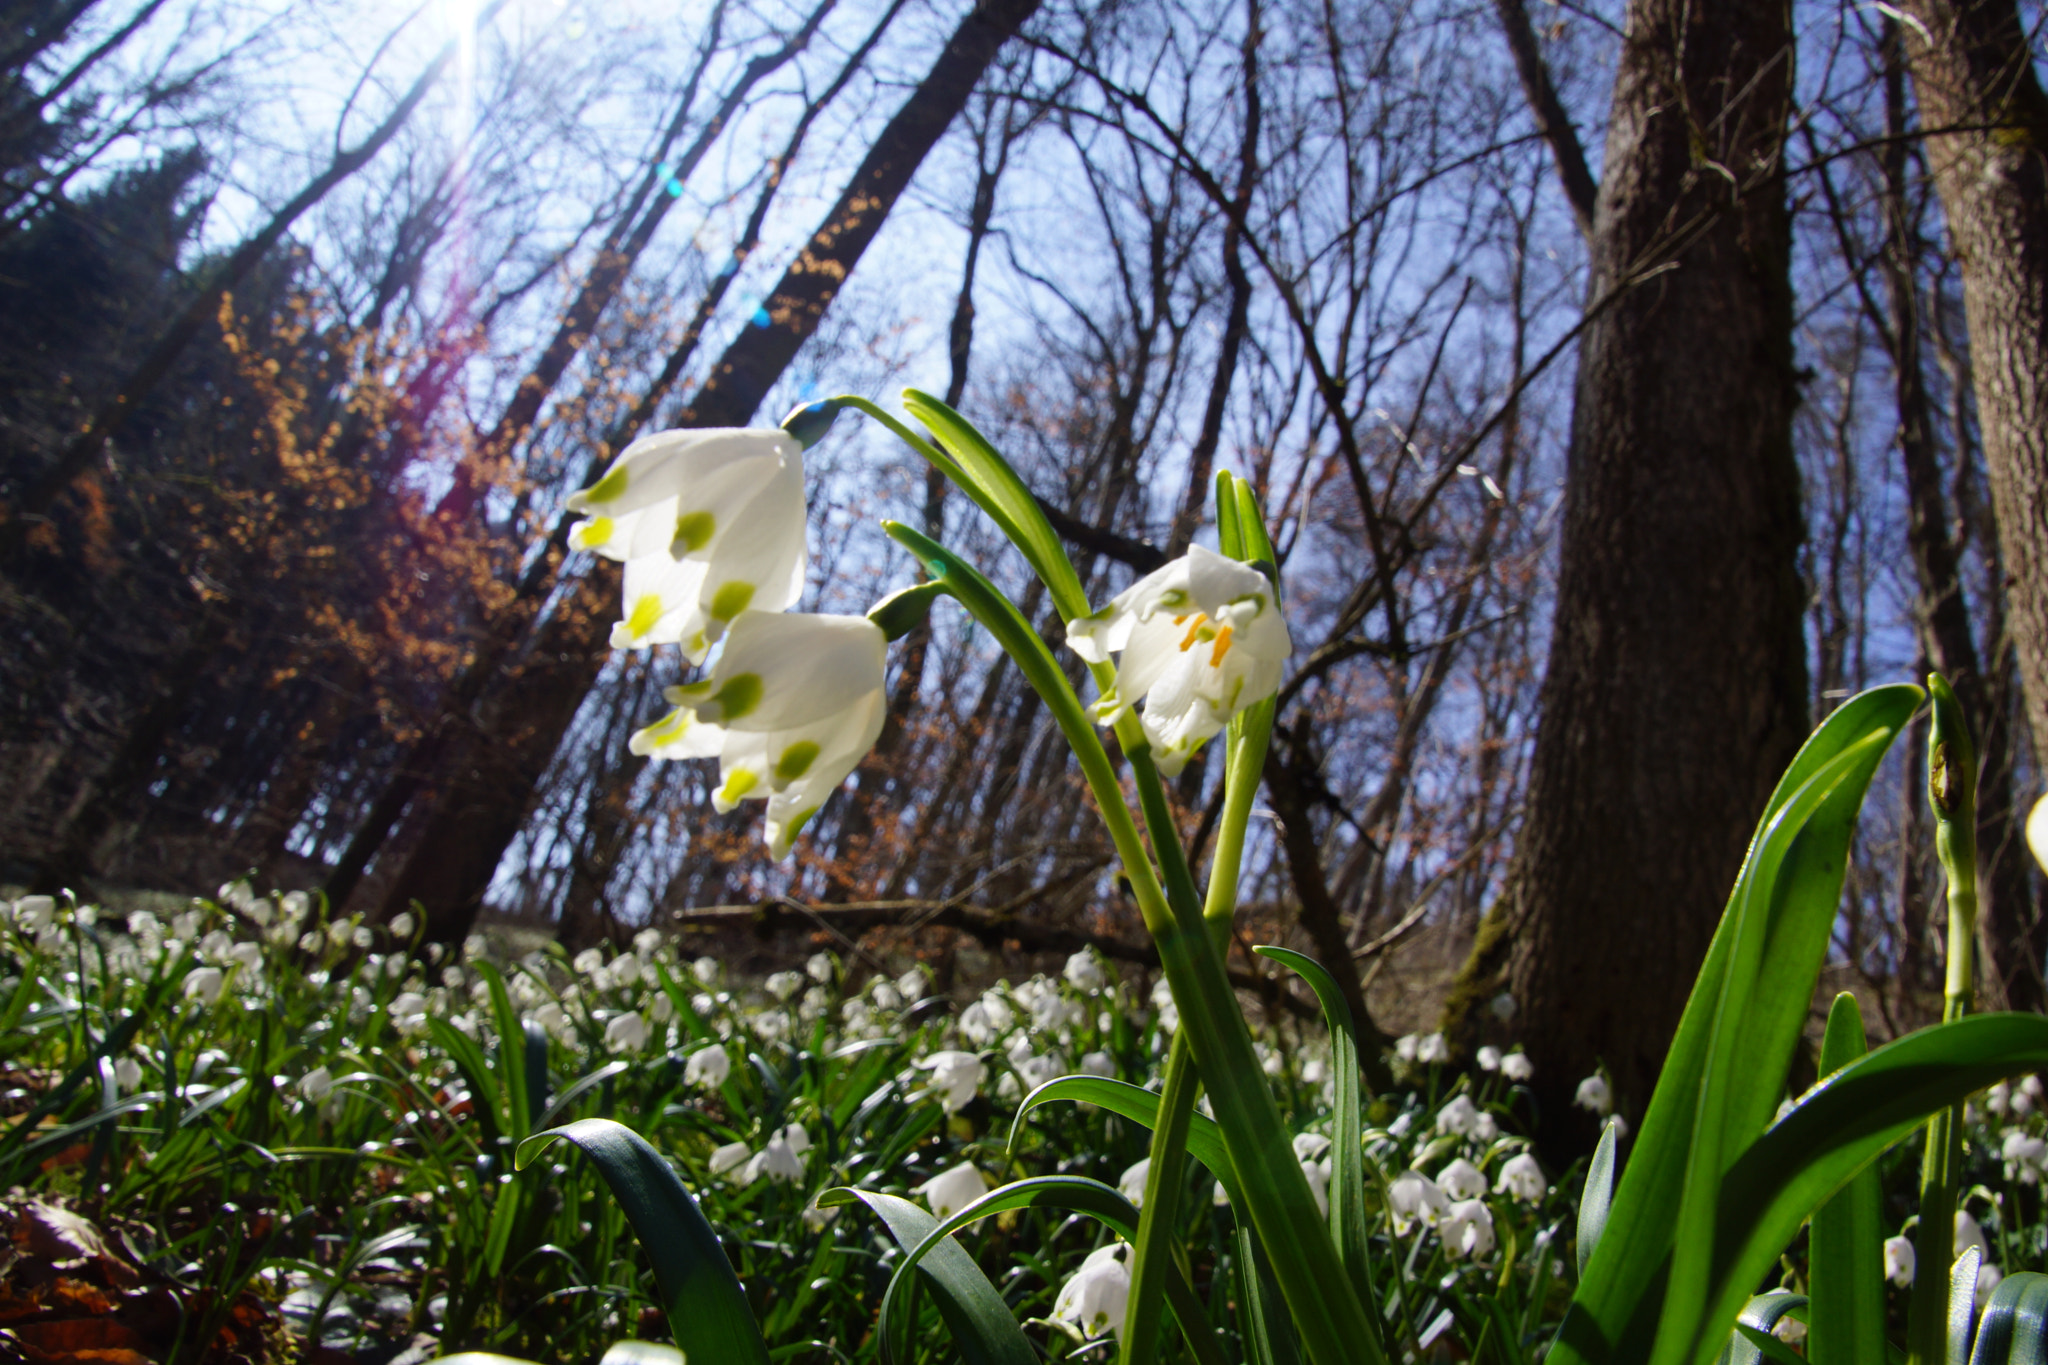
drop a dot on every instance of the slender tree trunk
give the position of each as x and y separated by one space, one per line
1973 71
1676 686
492 769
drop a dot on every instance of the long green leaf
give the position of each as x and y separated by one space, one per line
1836 1129
1597 1198
988 478
1846 1243
1961 1326
2015 1326
1140 1106
982 1325
1635 1250
1348 1226
707 1309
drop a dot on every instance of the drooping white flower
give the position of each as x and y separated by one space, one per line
781 1159
1317 1174
1098 1064
1594 1095
1162 1000
128 1073
203 984
626 1032
1467 1229
707 1067
1970 1233
1095 1299
1084 973
1485 1127
1899 1261
1522 1178
1200 640
794 704
1405 1046
783 985
1432 1048
1462 1180
708 523
1516 1066
956 1078
1457 1117
317 1084
1309 1146
1036 1070
408 1010
952 1190
729 1157
885 996
911 985
2024 1155
1488 1058
1131 1184
1413 1197
819 968
705 969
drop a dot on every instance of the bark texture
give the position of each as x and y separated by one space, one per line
1972 72
1676 685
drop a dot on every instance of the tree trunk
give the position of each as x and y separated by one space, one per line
1973 70
492 768
1676 686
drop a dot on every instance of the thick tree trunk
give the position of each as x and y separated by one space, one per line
1676 687
492 768
1973 71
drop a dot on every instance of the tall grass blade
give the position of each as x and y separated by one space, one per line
983 1327
1597 1198
1961 1325
2015 1326
1846 1243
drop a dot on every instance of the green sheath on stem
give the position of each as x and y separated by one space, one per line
1952 792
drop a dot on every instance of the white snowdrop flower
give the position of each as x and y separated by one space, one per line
401 926
1098 1064
1970 1233
1485 1127
1318 1175
361 937
1037 1070
589 962
1988 1279
1789 1330
773 1027
819 968
732 1156
1414 1198
294 906
1220 1197
1001 1017
818 1219
708 523
143 925
1008 1090
258 911
707 1067
782 1159
309 942
1516 1066
249 956
884 995
1314 1072
216 944
794 703
408 1011
1899 1261
660 1008
1200 640
1131 1184
316 1085
911 985
1594 1095
1402 1123
784 985
551 1017
1084 973
1488 1058
128 1073
2024 1156
185 924
704 1006
626 1032
1457 1117
1467 1229
231 892
705 969
341 933
1461 1180
956 1078
2030 1086
974 1025
1432 1049
1309 1146
475 948
952 1190
625 969
1619 1125
2022 1103
1095 1299
1162 1000
203 984
1406 1045
1522 1178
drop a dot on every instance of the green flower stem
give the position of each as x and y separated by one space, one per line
1139 1342
908 437
1952 792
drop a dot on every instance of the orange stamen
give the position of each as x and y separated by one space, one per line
1222 648
1193 631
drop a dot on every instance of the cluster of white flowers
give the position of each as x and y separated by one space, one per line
781 1158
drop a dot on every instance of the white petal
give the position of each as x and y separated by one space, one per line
661 602
679 734
786 671
662 465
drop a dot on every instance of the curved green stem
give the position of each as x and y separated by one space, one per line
904 433
1139 1344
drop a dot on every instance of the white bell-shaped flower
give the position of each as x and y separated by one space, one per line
1094 1300
1522 1178
1200 639
1414 1198
956 1078
1900 1261
952 1190
708 523
1461 1180
793 705
1467 1229
707 1067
